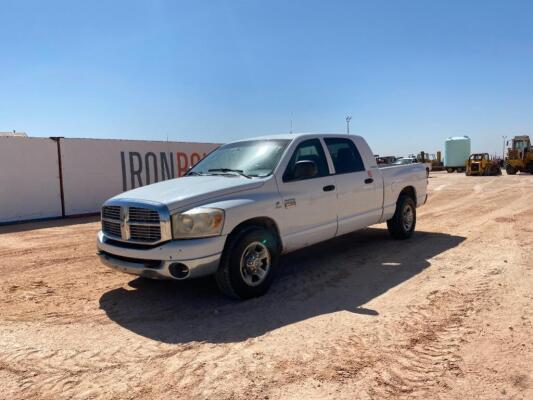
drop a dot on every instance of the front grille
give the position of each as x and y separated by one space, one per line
475 167
111 228
143 233
111 212
143 215
135 224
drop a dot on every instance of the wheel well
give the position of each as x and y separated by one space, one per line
263 222
409 191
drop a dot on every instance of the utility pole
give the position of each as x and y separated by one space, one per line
348 119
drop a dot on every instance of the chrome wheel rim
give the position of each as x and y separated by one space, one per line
255 263
408 217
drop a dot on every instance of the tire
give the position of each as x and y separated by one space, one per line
459 170
399 226
510 170
240 280
450 170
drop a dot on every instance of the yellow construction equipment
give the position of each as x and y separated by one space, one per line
481 164
519 155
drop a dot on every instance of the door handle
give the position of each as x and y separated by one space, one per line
369 180
328 188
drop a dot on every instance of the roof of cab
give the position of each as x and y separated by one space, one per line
292 136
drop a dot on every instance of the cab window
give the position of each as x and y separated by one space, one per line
345 156
308 150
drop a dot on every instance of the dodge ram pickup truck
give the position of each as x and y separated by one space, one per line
246 203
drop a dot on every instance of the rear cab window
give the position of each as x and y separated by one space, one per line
345 155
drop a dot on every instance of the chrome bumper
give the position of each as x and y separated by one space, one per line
156 263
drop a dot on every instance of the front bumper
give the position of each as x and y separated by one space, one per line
200 257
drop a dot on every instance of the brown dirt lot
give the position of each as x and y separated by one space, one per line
447 314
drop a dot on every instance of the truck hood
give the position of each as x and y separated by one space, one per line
181 192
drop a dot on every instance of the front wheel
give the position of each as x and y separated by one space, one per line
450 170
403 222
248 264
510 170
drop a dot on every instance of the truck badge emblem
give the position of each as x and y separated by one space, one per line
290 203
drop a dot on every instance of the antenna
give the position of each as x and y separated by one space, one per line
291 124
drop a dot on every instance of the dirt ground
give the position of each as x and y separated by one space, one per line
447 314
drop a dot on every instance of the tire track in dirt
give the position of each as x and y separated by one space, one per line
429 355
63 371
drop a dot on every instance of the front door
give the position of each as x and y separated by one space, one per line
310 210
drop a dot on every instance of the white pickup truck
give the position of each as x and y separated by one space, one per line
248 202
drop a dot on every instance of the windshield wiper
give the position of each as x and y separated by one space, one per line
237 171
191 173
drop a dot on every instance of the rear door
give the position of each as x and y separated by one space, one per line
309 205
359 196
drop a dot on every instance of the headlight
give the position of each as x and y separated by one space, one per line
198 222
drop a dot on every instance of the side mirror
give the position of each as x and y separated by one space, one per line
305 169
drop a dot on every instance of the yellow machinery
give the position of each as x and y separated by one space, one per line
481 164
519 156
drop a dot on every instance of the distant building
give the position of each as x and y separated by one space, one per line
13 134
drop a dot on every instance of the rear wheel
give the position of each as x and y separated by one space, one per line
403 222
248 264
450 170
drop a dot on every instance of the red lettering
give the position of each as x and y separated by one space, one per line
195 157
182 163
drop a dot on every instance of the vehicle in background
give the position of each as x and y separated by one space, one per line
385 160
413 160
246 203
481 164
405 161
456 153
519 155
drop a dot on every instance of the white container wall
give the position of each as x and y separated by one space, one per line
96 169
29 179
92 170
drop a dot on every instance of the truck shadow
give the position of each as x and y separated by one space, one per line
341 274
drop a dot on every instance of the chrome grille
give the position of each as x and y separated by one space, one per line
111 212
143 215
145 233
130 222
111 228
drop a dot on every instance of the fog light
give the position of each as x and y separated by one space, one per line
179 270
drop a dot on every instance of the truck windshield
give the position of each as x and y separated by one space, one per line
252 158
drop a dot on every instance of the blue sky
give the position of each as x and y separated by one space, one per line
411 73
